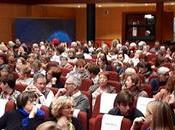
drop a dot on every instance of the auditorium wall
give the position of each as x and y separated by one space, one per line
108 20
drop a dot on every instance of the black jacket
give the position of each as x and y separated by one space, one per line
13 121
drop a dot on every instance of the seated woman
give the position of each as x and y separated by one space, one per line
158 117
7 87
53 78
62 110
101 87
24 78
165 93
133 84
4 71
103 63
64 63
26 117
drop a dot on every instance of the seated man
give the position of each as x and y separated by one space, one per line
124 106
71 89
39 85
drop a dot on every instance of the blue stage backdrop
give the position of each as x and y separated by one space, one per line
34 30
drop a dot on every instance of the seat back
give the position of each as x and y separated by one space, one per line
10 106
115 84
89 96
20 87
112 75
46 110
96 109
85 84
63 79
64 71
82 116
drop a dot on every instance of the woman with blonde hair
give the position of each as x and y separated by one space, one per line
62 111
159 116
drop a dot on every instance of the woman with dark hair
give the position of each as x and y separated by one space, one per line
103 63
7 87
26 117
53 78
133 84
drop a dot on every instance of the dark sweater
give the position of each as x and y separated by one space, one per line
135 114
12 121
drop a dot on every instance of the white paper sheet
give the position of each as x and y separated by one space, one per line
76 112
111 122
3 103
142 103
107 102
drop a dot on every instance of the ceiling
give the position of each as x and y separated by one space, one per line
79 1
101 5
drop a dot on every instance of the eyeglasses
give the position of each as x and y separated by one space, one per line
68 107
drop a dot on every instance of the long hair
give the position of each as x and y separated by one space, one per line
162 118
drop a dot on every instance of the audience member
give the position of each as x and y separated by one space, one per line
39 85
62 111
124 105
26 117
158 117
7 87
71 89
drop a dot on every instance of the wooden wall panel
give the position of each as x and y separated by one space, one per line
108 20
8 13
81 30
59 12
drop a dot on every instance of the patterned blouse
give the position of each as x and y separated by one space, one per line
11 97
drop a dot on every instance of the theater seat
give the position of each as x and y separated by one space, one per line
86 83
95 112
115 84
89 96
64 71
82 117
112 75
20 87
63 79
46 110
10 106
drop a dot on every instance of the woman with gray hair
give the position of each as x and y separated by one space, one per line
62 111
